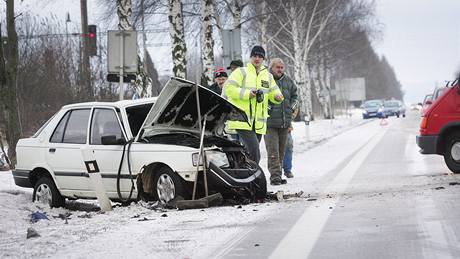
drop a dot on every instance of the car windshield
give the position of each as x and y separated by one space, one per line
372 104
391 104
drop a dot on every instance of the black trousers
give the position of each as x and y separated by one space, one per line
251 140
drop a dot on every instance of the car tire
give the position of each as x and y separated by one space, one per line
452 152
404 115
167 185
260 186
45 191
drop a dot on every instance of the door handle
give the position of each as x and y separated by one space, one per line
52 150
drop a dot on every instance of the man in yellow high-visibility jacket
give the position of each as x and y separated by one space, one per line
250 88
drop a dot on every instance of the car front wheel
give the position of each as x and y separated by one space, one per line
168 185
46 192
452 152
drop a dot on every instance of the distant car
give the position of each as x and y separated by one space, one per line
431 98
394 108
416 106
427 101
373 109
161 138
438 92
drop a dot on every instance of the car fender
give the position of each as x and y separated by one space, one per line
445 130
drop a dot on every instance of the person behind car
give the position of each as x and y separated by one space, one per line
219 79
279 121
287 161
234 65
250 88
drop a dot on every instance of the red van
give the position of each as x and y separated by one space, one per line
440 127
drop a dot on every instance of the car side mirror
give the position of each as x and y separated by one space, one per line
112 140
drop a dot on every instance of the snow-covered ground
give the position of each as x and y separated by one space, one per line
138 231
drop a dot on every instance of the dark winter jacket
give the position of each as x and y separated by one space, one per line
281 114
215 88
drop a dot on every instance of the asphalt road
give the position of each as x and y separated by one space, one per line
385 200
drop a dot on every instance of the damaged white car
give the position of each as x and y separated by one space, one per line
144 149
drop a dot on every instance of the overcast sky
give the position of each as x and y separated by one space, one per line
421 39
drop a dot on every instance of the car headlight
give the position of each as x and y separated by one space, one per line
380 110
218 158
364 112
195 157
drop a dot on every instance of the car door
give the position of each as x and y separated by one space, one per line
106 122
64 156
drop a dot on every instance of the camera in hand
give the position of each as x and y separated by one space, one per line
259 96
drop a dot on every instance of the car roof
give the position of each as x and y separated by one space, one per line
117 104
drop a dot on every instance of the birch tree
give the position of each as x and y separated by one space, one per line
143 83
303 22
207 44
176 30
8 91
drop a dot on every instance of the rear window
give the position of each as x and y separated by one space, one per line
73 127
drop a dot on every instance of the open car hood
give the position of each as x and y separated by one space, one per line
176 110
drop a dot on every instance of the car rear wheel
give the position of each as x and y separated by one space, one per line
452 152
46 192
168 185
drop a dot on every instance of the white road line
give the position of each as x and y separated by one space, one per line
302 237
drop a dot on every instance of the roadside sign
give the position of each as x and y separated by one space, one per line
127 40
231 41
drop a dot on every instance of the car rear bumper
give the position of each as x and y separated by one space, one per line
221 178
21 178
427 144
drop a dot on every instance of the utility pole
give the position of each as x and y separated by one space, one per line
87 91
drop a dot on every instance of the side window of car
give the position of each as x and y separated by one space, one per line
76 129
58 133
105 123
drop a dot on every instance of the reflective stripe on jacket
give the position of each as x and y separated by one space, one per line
237 90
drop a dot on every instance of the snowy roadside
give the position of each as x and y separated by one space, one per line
137 231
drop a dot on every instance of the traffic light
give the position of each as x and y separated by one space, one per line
92 40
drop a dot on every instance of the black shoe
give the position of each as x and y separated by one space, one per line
288 174
275 182
283 181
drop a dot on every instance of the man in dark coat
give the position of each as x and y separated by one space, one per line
279 121
219 79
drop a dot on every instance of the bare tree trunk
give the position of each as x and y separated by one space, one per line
176 30
87 92
236 11
10 104
143 83
207 44
263 27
